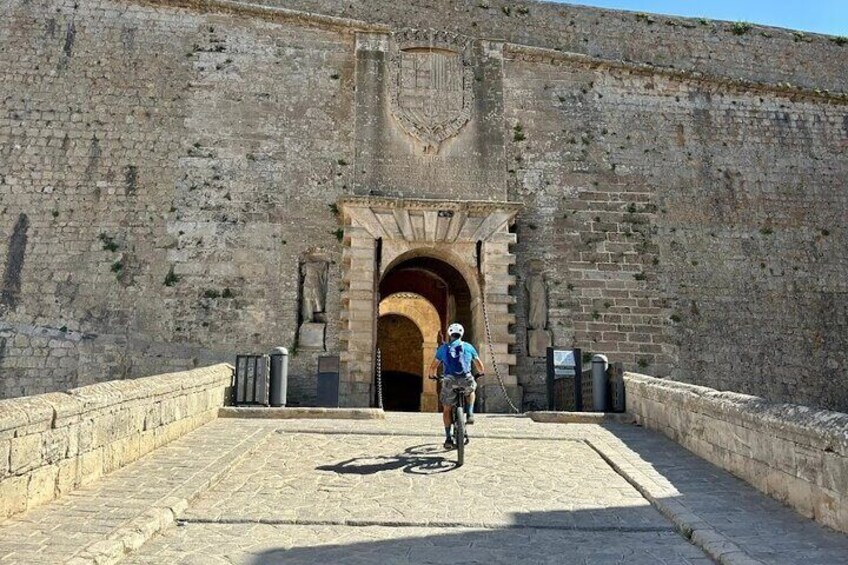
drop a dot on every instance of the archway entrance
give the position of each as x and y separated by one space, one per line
402 359
431 294
453 254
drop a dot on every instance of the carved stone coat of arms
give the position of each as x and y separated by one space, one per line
430 85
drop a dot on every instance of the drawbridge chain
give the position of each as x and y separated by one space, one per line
492 352
379 379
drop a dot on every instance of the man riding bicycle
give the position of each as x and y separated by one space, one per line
457 357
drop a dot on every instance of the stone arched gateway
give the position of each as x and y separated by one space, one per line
424 315
472 237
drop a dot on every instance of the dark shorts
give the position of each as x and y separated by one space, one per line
451 382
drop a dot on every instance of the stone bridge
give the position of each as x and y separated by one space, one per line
158 470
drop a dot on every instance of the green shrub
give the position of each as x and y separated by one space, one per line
741 28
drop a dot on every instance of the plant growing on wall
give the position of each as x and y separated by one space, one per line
518 133
741 28
171 278
108 242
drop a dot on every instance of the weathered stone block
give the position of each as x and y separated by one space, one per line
85 435
808 463
13 495
25 453
834 472
146 442
826 507
311 336
42 485
538 342
5 448
120 452
67 478
842 513
800 496
55 444
12 418
90 466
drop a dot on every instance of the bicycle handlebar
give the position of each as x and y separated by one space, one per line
441 377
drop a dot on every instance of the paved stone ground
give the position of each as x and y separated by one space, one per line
67 527
348 492
371 492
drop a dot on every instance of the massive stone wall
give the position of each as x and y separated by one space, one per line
162 172
687 228
166 167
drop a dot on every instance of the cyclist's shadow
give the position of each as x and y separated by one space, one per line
425 459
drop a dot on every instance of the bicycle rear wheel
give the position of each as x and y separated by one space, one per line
459 432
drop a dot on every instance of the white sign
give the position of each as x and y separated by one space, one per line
563 363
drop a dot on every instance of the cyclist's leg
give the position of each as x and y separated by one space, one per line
469 400
447 408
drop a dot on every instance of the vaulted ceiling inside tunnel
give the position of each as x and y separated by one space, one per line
435 280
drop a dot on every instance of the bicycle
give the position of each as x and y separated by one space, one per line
460 437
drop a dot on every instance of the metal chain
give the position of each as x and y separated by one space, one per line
492 352
379 379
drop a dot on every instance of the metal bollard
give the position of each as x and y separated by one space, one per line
600 363
279 376
618 392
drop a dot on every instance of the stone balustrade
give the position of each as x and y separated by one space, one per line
52 443
797 455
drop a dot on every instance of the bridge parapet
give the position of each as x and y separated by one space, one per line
795 454
51 444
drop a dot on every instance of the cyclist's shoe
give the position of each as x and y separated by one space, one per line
469 419
449 444
467 439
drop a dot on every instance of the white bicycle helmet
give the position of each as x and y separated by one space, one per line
455 328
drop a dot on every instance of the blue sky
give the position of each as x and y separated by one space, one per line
822 16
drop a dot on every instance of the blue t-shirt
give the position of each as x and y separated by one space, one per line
456 357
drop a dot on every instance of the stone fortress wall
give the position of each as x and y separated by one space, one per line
165 169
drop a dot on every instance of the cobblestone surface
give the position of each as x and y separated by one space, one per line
413 481
384 492
181 469
366 492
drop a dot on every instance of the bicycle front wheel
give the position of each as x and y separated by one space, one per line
459 432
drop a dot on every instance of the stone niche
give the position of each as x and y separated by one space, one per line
312 331
536 294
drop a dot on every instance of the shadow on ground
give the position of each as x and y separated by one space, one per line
424 459
534 538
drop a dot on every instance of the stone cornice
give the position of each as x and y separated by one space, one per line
425 220
432 204
272 13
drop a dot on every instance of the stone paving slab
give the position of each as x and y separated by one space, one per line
100 518
407 480
318 497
